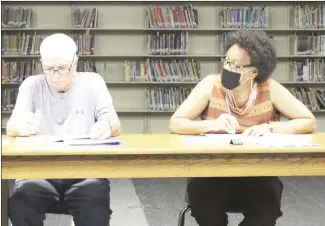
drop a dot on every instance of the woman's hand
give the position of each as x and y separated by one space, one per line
257 130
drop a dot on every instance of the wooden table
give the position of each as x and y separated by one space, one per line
159 155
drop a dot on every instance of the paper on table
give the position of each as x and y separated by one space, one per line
36 139
286 140
268 140
88 141
70 140
61 139
5 141
219 138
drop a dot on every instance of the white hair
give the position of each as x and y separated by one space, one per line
58 46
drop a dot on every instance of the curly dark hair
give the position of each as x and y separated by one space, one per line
260 49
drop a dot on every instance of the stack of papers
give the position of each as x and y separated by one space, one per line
88 141
70 140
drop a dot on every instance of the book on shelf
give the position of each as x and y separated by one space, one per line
313 44
167 43
224 39
245 17
86 19
135 71
310 70
85 43
174 70
309 16
166 98
160 99
312 98
86 66
170 98
16 71
8 98
16 17
163 70
21 44
25 43
182 16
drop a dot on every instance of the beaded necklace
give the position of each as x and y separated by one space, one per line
232 105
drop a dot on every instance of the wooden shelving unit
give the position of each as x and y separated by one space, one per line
122 36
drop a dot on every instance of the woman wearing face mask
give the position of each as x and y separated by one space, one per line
243 99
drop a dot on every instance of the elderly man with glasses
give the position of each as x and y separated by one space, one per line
62 102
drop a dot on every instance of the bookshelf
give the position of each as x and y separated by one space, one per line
103 57
122 35
196 30
136 83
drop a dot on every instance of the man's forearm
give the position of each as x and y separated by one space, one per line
295 126
113 121
11 132
115 126
11 129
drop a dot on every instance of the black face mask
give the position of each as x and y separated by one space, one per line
230 79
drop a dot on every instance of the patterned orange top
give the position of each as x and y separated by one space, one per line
262 111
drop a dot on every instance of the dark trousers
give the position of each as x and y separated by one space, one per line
88 201
258 198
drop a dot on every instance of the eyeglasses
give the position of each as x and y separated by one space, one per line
233 65
60 71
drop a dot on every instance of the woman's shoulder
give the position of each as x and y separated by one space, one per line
267 85
208 83
270 83
212 79
271 88
217 83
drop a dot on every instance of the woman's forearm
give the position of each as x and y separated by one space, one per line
189 127
295 126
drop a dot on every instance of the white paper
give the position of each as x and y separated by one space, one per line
219 138
70 140
61 139
5 141
268 140
35 139
226 138
286 140
110 141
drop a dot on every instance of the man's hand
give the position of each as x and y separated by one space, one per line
26 125
101 130
257 130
